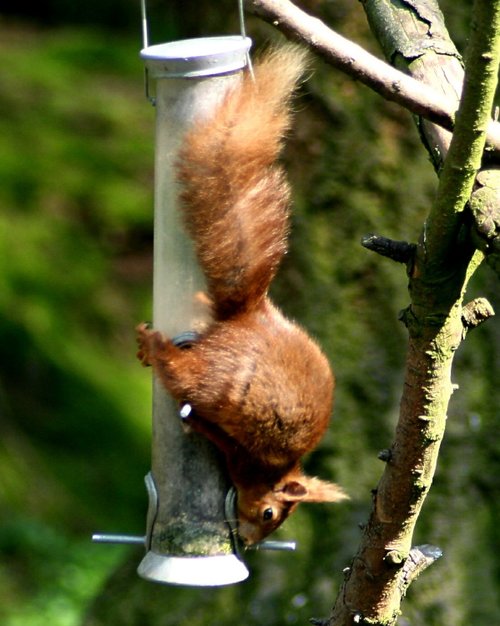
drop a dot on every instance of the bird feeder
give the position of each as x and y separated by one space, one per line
191 522
188 538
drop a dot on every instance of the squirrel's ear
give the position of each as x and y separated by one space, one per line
307 489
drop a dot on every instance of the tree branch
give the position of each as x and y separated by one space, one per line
419 559
375 583
414 95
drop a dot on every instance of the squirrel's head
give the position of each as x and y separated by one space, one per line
261 509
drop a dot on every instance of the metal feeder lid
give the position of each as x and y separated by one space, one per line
194 58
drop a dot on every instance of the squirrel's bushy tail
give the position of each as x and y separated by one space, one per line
235 197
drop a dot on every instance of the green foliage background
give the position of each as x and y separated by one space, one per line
76 180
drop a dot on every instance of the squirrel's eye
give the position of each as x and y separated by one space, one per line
267 515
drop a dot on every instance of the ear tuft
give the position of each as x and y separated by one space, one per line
294 489
322 491
307 489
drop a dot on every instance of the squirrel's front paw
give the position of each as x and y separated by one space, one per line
150 342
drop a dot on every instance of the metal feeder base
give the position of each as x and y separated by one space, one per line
196 571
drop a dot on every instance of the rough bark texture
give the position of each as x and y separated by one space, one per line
414 38
485 211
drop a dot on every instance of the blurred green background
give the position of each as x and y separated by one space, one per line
76 186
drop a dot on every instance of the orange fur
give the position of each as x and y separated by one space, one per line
260 388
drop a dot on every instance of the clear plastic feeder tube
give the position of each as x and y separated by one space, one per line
188 540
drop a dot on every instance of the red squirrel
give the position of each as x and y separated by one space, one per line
260 389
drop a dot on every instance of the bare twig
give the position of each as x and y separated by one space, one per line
399 251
